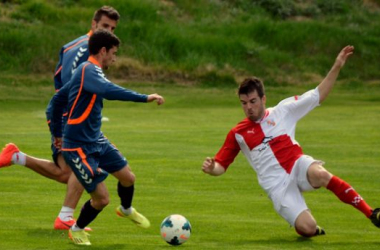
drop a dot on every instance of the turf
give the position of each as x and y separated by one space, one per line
165 147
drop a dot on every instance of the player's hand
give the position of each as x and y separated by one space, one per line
208 165
155 97
343 55
58 142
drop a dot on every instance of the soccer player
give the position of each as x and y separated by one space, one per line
266 137
89 154
71 56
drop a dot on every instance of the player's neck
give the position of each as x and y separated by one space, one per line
96 59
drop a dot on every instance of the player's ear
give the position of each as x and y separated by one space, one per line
93 25
103 50
264 99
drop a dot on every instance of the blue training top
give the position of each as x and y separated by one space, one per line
71 56
83 96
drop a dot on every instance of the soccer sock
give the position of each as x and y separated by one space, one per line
348 195
75 228
126 196
87 215
19 158
66 213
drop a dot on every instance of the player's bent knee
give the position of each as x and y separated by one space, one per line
128 180
305 224
132 178
306 232
100 203
307 229
318 176
324 177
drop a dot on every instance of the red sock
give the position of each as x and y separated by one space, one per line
348 195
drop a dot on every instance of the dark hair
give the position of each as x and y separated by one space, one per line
108 11
250 85
100 39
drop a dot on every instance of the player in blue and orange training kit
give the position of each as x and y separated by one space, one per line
90 155
70 57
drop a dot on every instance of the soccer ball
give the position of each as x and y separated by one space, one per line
175 229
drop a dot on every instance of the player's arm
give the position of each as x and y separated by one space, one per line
211 167
58 102
110 91
326 85
225 156
115 92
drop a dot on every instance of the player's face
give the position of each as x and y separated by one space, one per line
104 23
253 105
109 57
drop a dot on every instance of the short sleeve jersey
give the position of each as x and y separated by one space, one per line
269 144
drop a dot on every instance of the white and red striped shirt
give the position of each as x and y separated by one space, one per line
269 144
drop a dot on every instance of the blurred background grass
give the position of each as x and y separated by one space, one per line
206 42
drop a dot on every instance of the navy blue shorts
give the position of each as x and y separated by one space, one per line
92 162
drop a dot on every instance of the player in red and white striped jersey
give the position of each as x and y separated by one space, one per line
266 137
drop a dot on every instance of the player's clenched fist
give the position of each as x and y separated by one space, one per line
208 165
155 97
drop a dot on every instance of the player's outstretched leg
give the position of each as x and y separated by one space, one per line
137 218
375 217
7 154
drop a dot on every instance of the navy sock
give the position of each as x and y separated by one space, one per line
125 194
87 215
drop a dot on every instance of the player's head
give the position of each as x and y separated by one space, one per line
252 98
105 18
103 44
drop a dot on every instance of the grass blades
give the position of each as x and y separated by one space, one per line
165 147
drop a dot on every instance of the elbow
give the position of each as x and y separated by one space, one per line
218 170
322 94
322 97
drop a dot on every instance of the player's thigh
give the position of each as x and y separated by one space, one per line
125 176
62 164
292 204
302 173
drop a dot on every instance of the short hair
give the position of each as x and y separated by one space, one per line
250 85
100 39
108 11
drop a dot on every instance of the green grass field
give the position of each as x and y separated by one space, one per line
188 48
166 146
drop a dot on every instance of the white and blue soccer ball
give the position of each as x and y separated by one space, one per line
175 229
